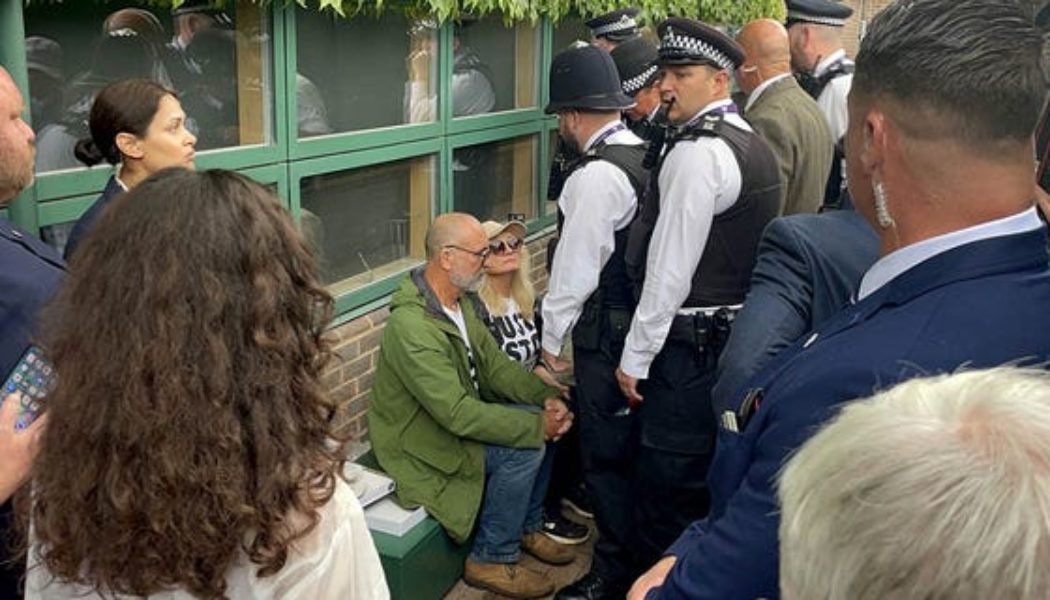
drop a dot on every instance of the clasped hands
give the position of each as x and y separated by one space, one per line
557 419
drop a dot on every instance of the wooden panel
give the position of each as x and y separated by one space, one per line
250 29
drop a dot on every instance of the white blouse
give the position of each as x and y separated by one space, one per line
336 560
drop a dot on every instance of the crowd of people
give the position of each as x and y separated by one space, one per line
760 400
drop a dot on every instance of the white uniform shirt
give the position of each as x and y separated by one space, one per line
699 179
832 101
597 200
336 560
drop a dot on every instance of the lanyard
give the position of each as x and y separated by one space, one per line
607 133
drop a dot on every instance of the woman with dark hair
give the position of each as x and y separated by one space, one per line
191 449
138 126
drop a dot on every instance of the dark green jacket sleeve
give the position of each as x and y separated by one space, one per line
425 363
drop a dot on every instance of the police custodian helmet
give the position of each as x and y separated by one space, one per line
585 78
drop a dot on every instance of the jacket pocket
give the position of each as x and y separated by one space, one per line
435 447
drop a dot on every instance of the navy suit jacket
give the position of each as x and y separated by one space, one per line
808 266
979 305
30 272
87 220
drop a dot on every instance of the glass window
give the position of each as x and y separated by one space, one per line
494 179
550 205
494 67
217 59
370 223
569 31
364 72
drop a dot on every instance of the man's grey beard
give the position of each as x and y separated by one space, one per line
467 284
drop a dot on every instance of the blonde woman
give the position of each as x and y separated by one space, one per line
510 314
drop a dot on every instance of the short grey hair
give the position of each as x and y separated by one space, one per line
962 69
937 488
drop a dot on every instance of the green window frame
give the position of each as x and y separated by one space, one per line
286 160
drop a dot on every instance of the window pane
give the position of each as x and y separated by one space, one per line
491 180
494 66
550 205
568 31
218 60
369 223
368 72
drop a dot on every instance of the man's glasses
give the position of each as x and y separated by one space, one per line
501 247
482 254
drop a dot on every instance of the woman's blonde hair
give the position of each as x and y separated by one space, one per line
521 289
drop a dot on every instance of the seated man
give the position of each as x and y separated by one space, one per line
450 418
936 488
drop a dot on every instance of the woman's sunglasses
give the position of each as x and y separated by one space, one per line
501 247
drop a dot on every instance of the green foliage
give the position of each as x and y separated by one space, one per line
726 12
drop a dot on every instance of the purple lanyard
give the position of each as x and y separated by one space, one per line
607 133
722 110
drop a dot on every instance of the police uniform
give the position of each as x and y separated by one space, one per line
691 251
829 83
636 64
589 294
617 26
30 273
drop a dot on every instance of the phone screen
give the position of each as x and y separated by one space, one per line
34 377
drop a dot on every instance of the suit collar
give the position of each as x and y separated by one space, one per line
1025 251
893 264
768 88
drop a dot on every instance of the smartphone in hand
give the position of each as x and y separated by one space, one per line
33 377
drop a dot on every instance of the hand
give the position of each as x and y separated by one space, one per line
629 387
555 363
654 577
542 372
17 448
557 419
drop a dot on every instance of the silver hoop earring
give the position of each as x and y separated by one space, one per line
882 213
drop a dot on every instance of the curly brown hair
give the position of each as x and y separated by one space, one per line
188 424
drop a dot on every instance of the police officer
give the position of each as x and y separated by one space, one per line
823 70
30 272
589 295
691 250
639 78
614 28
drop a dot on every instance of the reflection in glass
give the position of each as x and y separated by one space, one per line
216 59
568 32
368 72
491 180
494 66
370 223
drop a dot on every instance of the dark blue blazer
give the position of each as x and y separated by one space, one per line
979 305
808 266
87 220
30 272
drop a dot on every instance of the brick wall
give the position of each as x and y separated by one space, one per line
863 11
356 344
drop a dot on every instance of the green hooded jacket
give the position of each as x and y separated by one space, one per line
428 423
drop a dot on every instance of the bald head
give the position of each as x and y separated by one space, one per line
766 45
452 229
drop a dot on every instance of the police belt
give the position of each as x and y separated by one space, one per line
703 327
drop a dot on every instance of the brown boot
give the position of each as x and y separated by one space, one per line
506 579
546 549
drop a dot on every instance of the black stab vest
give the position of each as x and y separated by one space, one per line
814 86
614 286
724 274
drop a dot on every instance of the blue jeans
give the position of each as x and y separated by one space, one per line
515 484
